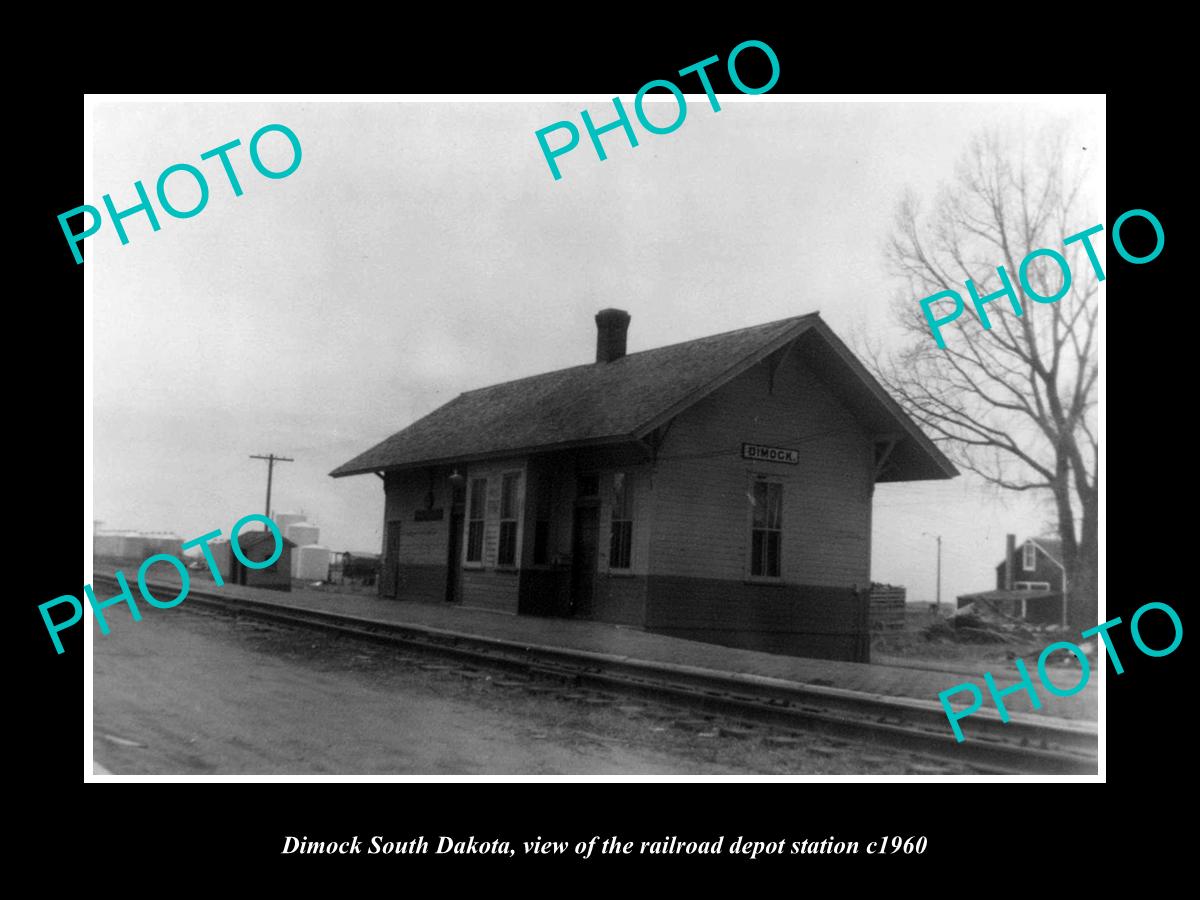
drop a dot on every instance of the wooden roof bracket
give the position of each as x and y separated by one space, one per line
778 364
884 445
654 440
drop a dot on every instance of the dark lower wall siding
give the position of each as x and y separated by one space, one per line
620 599
545 592
425 584
797 620
490 589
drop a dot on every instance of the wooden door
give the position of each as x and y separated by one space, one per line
584 556
454 557
389 579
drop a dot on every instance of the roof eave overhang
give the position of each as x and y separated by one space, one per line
930 462
507 453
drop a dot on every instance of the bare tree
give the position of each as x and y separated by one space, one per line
1015 404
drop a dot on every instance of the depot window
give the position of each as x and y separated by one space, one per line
620 551
1029 561
475 519
766 529
507 553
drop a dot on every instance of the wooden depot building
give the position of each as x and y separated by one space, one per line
718 490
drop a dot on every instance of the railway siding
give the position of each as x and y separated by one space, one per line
1028 743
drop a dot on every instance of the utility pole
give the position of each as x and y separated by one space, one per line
939 576
938 606
271 459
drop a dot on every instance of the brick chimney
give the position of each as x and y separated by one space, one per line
1010 549
611 328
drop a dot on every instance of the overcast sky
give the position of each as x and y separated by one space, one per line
423 249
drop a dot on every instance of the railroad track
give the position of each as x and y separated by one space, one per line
1027 744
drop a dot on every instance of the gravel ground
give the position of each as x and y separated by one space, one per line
918 645
193 692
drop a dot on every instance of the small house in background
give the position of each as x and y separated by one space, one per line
286 520
258 546
1030 583
1035 565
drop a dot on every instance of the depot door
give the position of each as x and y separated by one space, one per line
389 582
454 556
584 554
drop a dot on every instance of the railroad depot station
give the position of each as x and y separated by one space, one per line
718 489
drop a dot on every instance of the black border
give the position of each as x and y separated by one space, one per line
1148 450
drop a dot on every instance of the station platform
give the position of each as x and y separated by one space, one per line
899 679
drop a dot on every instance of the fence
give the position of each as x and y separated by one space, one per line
887 607
350 568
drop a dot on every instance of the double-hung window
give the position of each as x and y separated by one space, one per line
475 510
620 551
1029 560
506 555
1032 585
766 529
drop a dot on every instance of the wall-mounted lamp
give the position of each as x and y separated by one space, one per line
456 480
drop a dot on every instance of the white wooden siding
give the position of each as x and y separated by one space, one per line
700 483
421 543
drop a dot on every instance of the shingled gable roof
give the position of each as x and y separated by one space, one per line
1048 544
624 400
1051 546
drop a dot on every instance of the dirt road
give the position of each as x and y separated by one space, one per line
185 692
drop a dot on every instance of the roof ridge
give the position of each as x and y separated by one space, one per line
707 337
593 404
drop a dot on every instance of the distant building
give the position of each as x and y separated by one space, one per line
302 533
718 489
286 520
1035 565
1030 582
258 546
311 563
135 545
